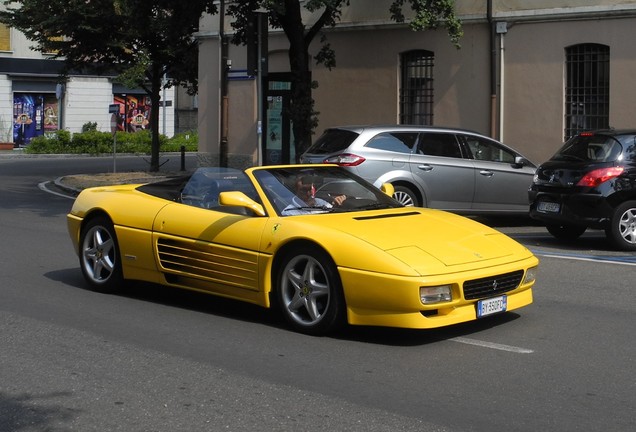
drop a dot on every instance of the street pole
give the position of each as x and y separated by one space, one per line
224 62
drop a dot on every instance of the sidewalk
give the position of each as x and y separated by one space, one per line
76 183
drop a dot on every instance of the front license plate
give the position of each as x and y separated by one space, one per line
491 306
548 207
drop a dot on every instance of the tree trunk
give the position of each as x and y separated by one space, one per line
155 100
301 110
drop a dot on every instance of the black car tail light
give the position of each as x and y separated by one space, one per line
599 176
345 159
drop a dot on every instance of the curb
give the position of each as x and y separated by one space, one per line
20 154
59 183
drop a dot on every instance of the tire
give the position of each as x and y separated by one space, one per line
566 231
622 229
99 256
309 292
405 196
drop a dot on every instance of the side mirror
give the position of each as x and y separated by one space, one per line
388 189
520 161
239 199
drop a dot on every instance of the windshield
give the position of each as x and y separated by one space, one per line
302 190
590 148
205 185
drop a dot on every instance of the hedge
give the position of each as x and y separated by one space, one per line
94 142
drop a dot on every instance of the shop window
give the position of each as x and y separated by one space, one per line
586 88
416 88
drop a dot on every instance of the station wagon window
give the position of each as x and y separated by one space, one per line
333 140
436 144
486 150
395 142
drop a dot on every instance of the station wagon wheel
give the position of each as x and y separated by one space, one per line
405 196
622 227
566 231
309 292
99 255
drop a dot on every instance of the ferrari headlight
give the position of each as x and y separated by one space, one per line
531 275
435 294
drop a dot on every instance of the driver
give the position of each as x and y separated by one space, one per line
306 200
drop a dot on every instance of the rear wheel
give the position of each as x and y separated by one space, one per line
309 292
622 228
566 231
99 255
405 196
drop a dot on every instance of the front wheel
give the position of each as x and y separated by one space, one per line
99 255
566 231
309 292
622 227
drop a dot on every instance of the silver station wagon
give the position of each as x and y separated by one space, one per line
444 168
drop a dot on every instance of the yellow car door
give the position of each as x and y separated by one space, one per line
209 250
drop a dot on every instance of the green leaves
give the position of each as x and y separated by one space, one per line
430 14
141 41
287 15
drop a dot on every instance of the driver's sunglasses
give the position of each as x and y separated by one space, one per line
308 188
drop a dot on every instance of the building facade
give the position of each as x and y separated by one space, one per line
34 100
528 73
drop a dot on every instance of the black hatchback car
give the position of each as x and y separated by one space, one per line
589 183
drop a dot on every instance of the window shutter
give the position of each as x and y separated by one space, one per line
5 38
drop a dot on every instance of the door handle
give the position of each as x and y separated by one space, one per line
425 167
486 173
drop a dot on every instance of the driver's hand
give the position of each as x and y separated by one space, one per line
337 201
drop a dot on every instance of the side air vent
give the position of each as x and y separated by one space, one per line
210 262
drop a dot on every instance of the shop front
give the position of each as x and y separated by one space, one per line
34 114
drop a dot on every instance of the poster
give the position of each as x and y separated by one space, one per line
134 112
28 117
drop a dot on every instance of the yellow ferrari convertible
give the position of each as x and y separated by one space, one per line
317 242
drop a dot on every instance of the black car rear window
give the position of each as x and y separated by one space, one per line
590 148
332 140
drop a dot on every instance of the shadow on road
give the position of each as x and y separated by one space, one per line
237 310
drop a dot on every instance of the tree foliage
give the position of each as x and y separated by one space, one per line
287 15
144 41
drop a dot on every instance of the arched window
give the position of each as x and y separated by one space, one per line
416 88
586 88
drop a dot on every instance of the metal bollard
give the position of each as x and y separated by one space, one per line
182 158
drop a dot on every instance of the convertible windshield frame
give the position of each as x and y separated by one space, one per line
319 189
204 187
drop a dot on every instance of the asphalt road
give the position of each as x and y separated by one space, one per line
155 359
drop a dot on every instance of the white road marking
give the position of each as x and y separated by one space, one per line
492 345
43 186
610 259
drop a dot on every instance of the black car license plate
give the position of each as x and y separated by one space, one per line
548 207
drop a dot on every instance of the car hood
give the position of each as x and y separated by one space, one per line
425 238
